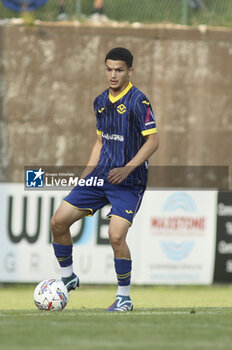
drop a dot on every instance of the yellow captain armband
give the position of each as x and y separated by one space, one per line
99 132
149 131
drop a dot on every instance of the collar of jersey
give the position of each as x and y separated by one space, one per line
123 93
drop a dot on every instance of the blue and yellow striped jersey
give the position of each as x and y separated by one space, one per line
123 122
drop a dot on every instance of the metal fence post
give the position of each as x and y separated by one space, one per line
78 8
185 12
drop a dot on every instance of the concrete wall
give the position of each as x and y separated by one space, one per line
50 74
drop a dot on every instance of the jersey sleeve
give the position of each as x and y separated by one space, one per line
145 116
98 118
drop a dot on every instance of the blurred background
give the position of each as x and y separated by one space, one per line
192 12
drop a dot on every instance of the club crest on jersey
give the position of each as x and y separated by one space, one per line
121 109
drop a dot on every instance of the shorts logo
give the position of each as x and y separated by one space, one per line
121 109
129 211
34 178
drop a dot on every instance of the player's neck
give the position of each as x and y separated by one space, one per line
116 92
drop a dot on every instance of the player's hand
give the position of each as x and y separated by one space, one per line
117 175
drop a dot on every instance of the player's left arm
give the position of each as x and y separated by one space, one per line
117 175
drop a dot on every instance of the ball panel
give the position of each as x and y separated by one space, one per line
51 295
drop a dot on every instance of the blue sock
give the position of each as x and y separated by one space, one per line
123 271
63 254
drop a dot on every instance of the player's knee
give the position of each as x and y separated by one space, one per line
57 226
116 240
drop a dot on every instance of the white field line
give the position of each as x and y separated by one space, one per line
87 313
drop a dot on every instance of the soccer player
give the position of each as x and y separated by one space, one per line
126 138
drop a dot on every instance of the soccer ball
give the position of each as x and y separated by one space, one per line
51 295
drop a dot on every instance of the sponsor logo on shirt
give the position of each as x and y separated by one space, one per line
114 137
149 123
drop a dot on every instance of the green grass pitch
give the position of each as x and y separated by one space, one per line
184 317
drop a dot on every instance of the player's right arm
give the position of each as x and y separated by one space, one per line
94 157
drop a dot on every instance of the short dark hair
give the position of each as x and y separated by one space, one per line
120 54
